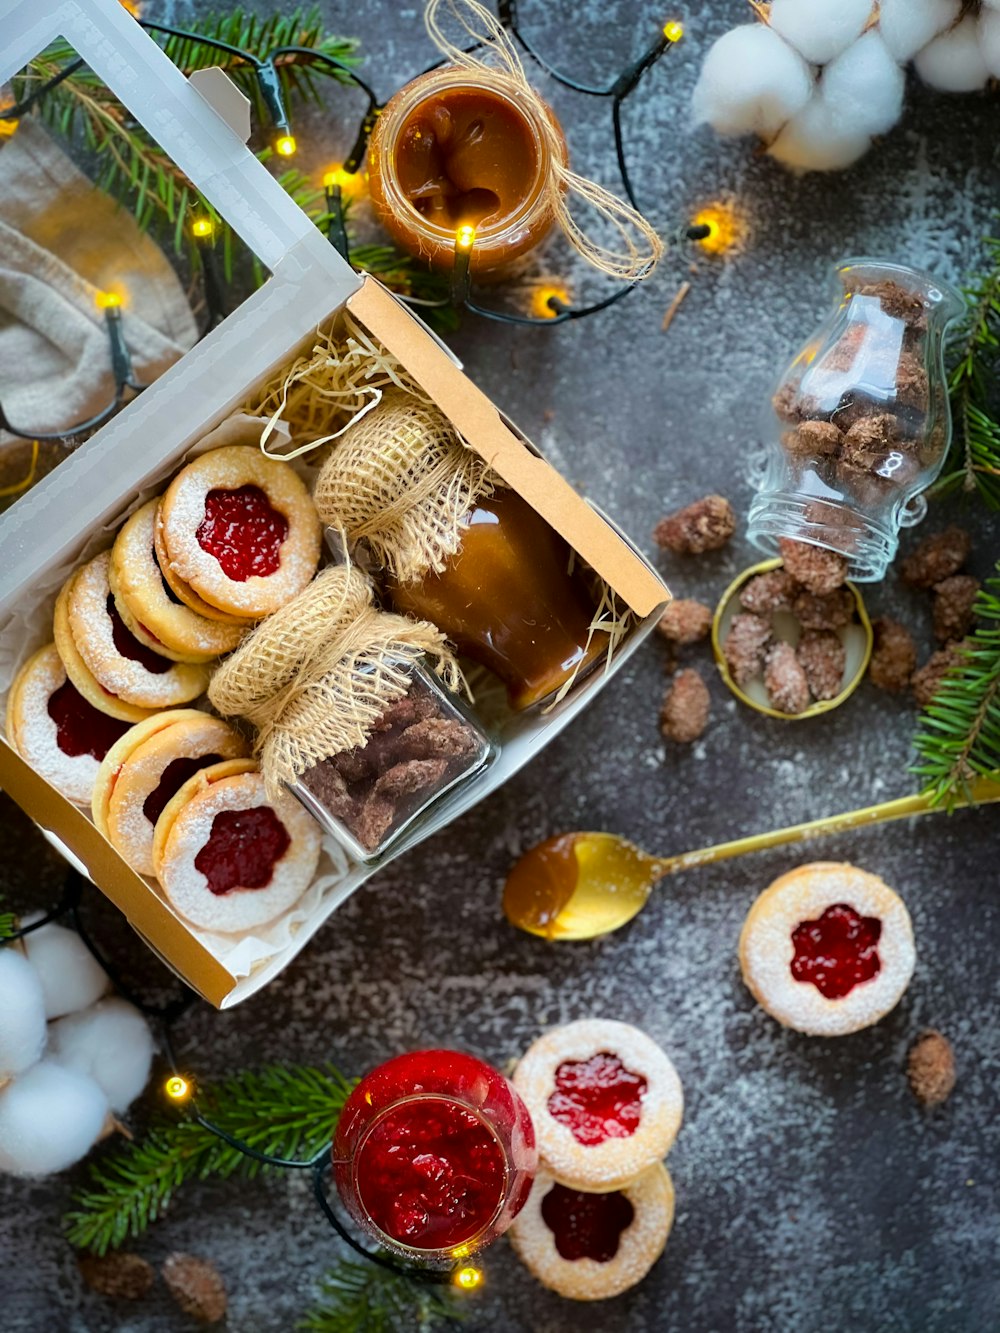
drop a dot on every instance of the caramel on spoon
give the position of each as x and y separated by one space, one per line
580 885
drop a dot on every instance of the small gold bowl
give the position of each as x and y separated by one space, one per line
857 639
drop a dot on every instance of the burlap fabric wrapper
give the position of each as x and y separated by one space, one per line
402 481
62 241
315 676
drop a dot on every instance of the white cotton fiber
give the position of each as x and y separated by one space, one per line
815 141
22 1013
50 1117
819 29
864 86
954 62
111 1043
989 40
72 978
751 83
907 25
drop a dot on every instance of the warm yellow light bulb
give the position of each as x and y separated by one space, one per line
465 237
202 227
725 229
133 7
543 298
468 1278
107 300
673 31
177 1088
8 127
285 145
351 182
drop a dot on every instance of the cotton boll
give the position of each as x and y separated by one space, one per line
819 29
751 83
907 25
815 141
22 1014
72 978
864 86
989 40
50 1117
111 1043
953 62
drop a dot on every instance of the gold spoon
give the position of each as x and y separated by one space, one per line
581 885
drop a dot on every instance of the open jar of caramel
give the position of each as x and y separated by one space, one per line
457 148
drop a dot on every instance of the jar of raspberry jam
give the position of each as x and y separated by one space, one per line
434 1154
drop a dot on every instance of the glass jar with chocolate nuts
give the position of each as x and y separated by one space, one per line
860 422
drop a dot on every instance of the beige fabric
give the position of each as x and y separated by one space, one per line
314 677
402 481
62 240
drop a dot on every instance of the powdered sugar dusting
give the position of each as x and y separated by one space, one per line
766 948
606 1165
93 634
36 735
238 910
640 1245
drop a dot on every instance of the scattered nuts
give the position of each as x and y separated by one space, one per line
703 526
684 714
893 657
930 1067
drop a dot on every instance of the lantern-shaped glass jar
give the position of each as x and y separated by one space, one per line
862 420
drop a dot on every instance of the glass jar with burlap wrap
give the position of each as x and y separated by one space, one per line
355 710
460 549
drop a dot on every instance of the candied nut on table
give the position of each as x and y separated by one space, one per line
954 600
893 657
817 569
930 1068
744 646
927 679
822 656
770 592
684 713
823 611
685 621
703 526
936 558
785 680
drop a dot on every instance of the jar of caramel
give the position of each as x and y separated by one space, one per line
458 148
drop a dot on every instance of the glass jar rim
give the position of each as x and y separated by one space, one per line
427 85
462 1247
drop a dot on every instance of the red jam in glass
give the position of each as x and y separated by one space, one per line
434 1151
129 646
431 1174
597 1099
244 532
586 1226
837 951
172 779
80 727
242 849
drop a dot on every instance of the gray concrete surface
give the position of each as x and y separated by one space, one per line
812 1191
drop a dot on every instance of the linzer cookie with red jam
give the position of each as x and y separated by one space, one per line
228 858
84 681
147 767
149 607
240 531
827 949
605 1101
589 1247
52 726
114 656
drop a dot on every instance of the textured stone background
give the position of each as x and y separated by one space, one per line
812 1191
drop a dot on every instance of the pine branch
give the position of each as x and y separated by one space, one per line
284 1111
959 734
973 464
366 1298
8 924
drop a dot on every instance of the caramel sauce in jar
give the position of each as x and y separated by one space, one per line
461 148
509 600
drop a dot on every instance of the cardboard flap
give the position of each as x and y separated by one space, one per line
480 424
223 96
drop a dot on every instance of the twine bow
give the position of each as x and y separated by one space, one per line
640 246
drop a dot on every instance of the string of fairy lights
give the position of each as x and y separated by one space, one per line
180 1091
551 303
